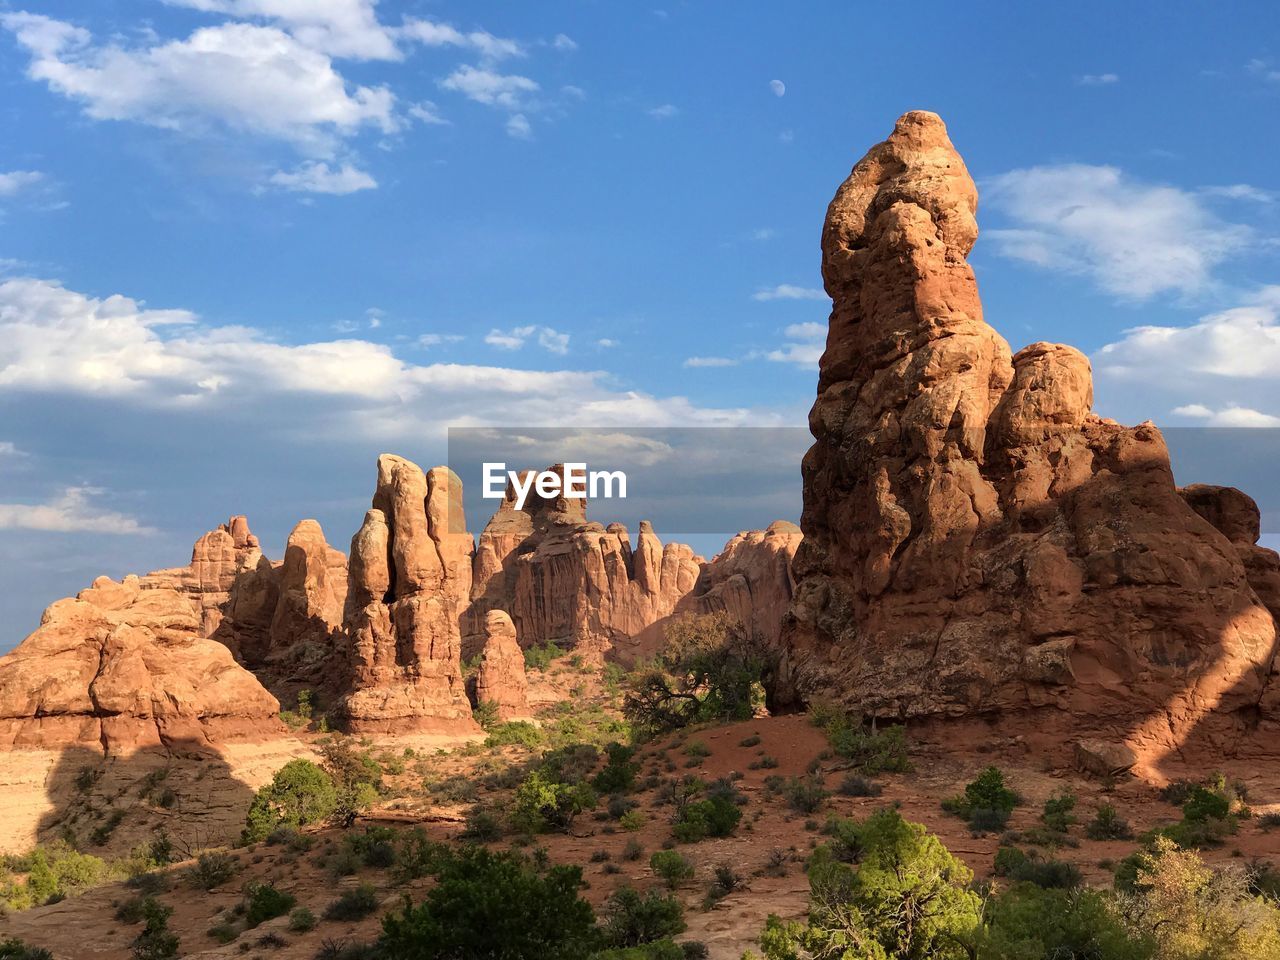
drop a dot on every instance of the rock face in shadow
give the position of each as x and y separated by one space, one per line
409 581
575 583
500 679
976 540
125 666
751 580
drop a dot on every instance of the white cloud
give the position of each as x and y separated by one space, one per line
516 338
490 88
428 113
1134 239
1263 70
663 112
763 233
1241 191
518 127
16 181
1223 369
606 343
438 339
804 346
563 42
789 291
710 362
56 341
1098 79
70 512
778 87
9 449
1227 416
432 34
340 28
317 177
234 76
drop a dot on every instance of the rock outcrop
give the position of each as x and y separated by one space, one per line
500 679
571 582
976 540
125 666
409 581
751 580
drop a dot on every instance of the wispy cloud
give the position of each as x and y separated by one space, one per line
72 511
318 177
711 362
804 346
1098 79
16 181
789 291
1134 239
664 111
516 338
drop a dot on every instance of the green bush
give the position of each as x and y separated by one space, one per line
488 904
1107 824
856 785
1027 921
354 904
54 871
619 772
300 793
156 941
263 902
15 949
673 867
356 778
1007 860
908 897
543 804
986 792
212 869
805 796
482 826
1057 815
631 919
871 751
716 816
540 658
301 920
514 733
1051 874
374 847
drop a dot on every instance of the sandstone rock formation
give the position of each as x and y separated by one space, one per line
410 578
975 539
124 666
501 679
216 559
571 582
751 580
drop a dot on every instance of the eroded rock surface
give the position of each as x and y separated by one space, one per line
500 679
409 581
975 539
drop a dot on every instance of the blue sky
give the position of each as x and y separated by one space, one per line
248 244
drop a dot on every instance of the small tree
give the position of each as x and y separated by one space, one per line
908 899
300 793
489 904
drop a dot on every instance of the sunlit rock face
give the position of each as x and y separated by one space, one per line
409 581
976 540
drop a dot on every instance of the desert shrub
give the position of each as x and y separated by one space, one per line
751 741
374 847
301 920
674 868
986 820
482 825
542 803
354 904
1107 824
1269 820
488 904
263 902
633 850
1203 803
223 932
805 796
54 871
1027 921
212 869
724 881
300 793
14 949
514 733
869 749
156 941
572 763
856 785
1057 815
657 950
632 820
541 657
631 918
619 806
291 839
709 670
130 911
1176 792
1192 911
907 898
419 856
356 777
986 792
1050 874
717 816
619 772
343 950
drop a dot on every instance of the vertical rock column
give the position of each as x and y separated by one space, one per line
409 580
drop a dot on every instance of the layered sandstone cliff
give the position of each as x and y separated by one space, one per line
500 680
975 538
